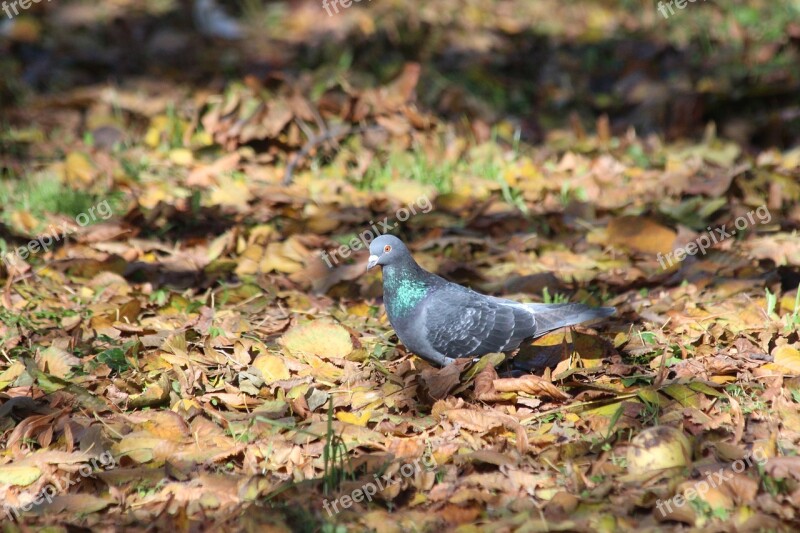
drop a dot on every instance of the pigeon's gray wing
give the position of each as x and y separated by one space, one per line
463 323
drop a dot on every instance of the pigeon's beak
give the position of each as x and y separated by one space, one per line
373 260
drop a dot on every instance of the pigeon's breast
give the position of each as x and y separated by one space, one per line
412 330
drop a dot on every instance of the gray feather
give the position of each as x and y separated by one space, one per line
553 316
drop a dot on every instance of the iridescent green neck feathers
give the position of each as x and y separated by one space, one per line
403 290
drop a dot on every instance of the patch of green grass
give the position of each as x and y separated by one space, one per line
791 321
46 195
174 130
555 298
413 165
750 401
14 319
651 412
134 167
337 466
34 320
485 161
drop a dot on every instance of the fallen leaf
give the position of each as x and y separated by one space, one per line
321 338
530 384
272 368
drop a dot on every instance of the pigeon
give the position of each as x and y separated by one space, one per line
442 321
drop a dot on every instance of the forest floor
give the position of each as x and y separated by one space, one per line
189 339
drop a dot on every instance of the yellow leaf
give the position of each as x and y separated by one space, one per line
321 338
278 257
11 374
352 418
407 192
786 359
683 394
230 192
78 169
21 476
151 196
158 125
25 221
272 368
181 156
360 309
650 396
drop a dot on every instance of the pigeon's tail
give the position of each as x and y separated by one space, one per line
554 316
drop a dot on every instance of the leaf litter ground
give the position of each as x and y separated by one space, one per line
197 337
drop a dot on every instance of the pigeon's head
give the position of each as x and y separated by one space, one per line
386 250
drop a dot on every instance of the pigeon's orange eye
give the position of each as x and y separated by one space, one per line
387 249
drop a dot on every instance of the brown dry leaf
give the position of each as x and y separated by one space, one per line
165 424
484 383
321 277
783 467
474 420
154 394
58 362
143 447
102 232
640 234
483 421
76 503
714 182
278 117
171 311
740 488
204 175
530 384
781 249
439 382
